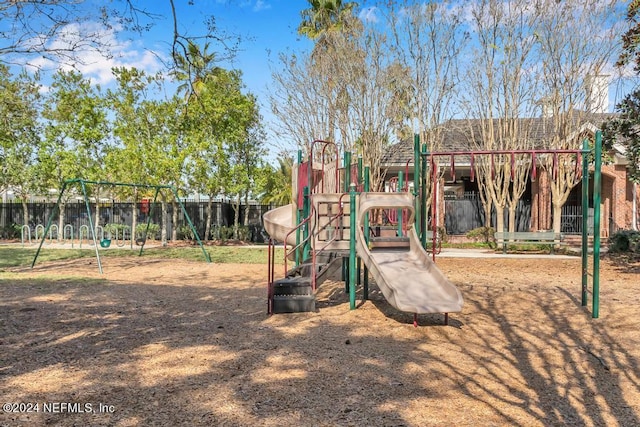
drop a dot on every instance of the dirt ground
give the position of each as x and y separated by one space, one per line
164 342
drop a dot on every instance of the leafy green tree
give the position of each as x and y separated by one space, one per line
625 130
213 119
245 157
195 70
274 184
631 38
323 17
76 133
150 142
19 134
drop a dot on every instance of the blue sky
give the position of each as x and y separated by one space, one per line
266 26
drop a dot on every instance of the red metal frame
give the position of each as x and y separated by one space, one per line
270 275
314 253
324 147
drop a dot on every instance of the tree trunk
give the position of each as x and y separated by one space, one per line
236 217
512 218
174 221
557 217
499 218
207 226
245 220
61 218
487 206
25 211
96 220
163 204
134 221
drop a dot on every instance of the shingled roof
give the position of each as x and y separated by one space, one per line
464 135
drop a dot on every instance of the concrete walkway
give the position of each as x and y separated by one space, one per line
488 253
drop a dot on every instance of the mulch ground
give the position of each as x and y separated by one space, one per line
169 342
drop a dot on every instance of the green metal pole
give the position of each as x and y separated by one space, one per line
365 290
347 171
298 219
399 189
347 178
359 275
56 208
146 230
416 180
193 228
305 231
359 170
597 184
423 197
93 231
585 220
352 246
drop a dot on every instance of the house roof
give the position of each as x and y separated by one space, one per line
466 135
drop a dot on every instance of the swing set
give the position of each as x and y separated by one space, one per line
91 230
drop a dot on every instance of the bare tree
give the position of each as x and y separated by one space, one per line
500 90
574 46
428 39
373 100
297 98
348 91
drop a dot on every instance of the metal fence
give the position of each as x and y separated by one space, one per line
120 213
464 213
572 221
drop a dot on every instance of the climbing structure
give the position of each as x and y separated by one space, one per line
327 231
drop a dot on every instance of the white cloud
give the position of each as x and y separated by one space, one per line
261 5
369 14
93 61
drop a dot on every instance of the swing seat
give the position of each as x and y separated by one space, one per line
105 243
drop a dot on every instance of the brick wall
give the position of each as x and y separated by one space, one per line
617 194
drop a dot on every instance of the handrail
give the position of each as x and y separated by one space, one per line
302 243
325 145
337 172
329 241
271 264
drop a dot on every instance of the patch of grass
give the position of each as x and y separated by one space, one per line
15 256
467 245
12 256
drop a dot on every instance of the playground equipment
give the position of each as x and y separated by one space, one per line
323 227
91 232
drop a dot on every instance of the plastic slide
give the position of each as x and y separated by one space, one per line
278 223
409 280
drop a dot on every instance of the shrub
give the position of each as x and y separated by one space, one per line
185 233
112 228
153 233
625 241
12 231
484 235
225 232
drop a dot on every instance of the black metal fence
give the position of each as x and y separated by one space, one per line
464 213
121 213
